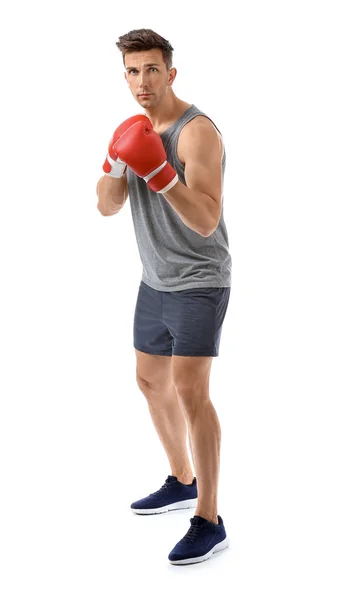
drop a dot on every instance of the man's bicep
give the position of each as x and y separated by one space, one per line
203 170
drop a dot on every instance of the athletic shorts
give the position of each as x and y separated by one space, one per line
185 323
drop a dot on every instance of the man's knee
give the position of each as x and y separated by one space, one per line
152 384
153 373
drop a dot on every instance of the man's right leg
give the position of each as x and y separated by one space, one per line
153 373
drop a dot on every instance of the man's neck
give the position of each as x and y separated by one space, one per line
163 116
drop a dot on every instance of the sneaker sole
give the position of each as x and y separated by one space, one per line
217 548
192 503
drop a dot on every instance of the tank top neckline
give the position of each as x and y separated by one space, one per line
177 120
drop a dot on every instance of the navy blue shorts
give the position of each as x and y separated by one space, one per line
185 323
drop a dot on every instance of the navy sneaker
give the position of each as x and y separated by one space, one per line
201 541
172 495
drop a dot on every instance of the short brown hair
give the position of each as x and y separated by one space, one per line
145 39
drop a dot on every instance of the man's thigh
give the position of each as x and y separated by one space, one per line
153 370
194 318
181 323
150 334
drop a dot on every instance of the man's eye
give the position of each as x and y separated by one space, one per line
133 71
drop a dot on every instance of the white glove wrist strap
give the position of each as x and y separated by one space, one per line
118 167
155 172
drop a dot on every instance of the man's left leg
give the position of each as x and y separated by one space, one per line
191 376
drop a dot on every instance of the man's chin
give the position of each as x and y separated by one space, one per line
145 101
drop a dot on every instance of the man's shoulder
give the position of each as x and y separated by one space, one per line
199 130
199 125
201 122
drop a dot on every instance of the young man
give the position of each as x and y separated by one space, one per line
170 161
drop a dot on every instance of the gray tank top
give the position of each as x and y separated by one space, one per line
174 257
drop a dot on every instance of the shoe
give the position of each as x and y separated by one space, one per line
201 541
173 495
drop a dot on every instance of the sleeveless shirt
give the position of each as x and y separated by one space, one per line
173 256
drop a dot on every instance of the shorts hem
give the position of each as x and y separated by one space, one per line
154 353
213 354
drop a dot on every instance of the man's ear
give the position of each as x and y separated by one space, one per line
172 75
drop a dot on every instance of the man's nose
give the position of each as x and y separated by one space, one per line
142 79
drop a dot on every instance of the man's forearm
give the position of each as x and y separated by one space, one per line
112 194
197 210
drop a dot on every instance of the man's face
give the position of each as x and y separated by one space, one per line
147 76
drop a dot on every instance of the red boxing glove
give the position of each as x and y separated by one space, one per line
113 166
141 148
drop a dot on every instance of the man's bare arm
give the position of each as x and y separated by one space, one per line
198 203
112 194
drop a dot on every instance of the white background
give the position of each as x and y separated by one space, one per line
77 441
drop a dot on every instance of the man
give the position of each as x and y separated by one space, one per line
170 161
